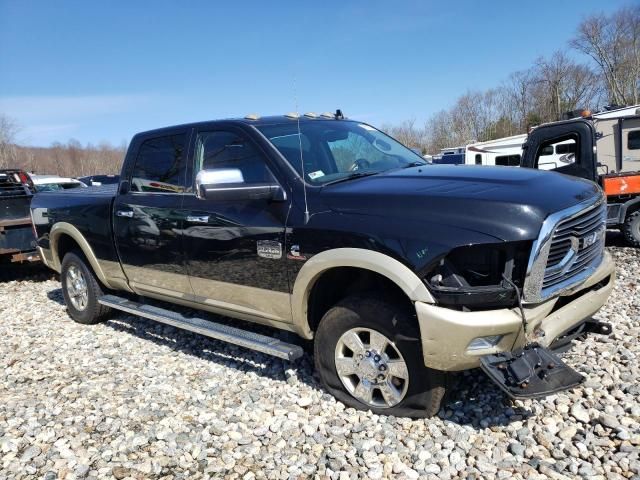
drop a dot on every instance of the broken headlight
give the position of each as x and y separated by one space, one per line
475 277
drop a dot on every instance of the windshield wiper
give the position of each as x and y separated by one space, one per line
415 164
351 176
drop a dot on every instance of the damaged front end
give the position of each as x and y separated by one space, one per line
535 371
479 296
480 277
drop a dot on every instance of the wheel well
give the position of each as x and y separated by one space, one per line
64 245
338 283
633 208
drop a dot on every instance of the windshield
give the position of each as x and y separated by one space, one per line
334 150
54 187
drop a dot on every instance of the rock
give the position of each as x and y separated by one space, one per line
411 473
516 449
30 453
568 433
579 413
608 421
432 468
81 470
121 472
623 434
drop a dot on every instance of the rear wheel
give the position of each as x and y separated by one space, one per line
631 229
368 354
81 290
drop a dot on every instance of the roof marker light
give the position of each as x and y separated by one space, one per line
252 116
327 115
311 115
293 115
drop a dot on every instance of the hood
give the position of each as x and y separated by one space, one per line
507 203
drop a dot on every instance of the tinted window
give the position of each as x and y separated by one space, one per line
508 160
633 140
160 166
215 150
547 150
566 148
478 159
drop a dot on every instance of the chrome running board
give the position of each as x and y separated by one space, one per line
225 333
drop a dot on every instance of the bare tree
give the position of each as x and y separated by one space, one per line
407 133
517 95
562 85
8 131
613 43
438 130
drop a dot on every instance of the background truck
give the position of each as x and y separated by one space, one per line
603 148
398 271
17 241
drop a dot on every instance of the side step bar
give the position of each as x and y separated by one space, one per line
226 333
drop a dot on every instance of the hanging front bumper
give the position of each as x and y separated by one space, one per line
453 340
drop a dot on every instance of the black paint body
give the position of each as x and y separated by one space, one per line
415 215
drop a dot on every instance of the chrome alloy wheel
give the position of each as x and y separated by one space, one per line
371 368
77 288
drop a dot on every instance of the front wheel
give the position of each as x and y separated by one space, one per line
81 290
631 229
368 354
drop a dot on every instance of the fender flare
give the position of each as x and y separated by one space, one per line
377 262
625 207
64 228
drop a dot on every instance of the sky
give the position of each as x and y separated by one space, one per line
102 71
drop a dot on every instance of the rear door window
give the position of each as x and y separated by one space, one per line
161 165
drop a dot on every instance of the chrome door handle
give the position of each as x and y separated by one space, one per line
124 213
198 218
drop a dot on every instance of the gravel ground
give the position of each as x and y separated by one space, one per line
132 398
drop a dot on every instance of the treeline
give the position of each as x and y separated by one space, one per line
70 159
610 75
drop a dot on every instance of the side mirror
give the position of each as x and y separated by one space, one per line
124 187
227 184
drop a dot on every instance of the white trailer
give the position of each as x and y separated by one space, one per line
505 151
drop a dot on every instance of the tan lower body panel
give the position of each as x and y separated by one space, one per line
446 333
239 301
251 300
227 310
156 280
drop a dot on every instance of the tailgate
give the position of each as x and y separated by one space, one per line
13 209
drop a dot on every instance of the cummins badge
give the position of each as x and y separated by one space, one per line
269 249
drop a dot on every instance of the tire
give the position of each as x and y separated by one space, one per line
83 309
419 396
631 229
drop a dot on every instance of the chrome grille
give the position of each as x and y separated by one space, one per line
568 250
576 244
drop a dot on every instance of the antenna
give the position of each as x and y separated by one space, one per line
304 182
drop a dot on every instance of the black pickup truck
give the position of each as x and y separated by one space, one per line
397 270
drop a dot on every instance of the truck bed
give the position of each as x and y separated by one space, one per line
86 209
